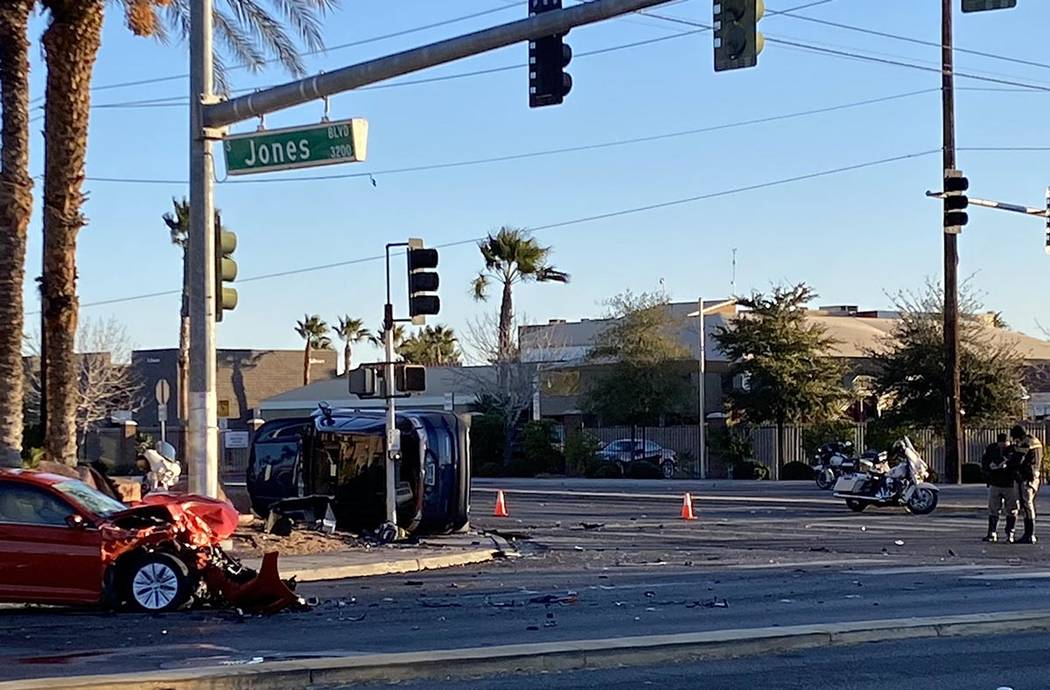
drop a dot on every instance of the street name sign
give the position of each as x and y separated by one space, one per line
308 146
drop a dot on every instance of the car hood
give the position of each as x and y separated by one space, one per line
204 521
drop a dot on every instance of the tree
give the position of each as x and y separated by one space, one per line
645 381
351 331
71 42
512 256
178 224
314 331
432 346
106 381
783 360
16 204
376 338
910 364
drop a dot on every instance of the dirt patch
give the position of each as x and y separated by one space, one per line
250 540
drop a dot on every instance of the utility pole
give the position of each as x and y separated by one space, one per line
701 393
952 365
393 437
202 440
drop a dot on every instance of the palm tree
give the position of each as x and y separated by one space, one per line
351 331
512 256
71 43
314 331
16 204
376 338
432 346
179 228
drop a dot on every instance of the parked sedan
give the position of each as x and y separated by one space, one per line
63 542
624 451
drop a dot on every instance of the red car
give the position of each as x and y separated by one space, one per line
63 542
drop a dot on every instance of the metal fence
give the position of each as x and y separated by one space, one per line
685 441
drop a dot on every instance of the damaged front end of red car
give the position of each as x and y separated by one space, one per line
191 529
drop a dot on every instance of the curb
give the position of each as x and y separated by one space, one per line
549 656
500 548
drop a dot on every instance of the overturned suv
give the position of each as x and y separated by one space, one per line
63 542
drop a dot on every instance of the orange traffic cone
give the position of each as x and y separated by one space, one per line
501 505
687 508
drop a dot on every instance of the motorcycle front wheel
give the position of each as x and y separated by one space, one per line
922 502
825 479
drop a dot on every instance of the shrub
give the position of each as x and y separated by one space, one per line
750 470
644 470
537 445
486 439
972 473
796 471
489 469
581 449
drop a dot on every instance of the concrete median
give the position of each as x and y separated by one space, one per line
550 656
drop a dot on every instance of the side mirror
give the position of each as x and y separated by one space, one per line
76 522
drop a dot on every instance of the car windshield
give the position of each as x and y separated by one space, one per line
90 499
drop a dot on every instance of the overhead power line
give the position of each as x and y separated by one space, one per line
560 224
545 152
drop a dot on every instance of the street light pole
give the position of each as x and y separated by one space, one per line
953 426
701 393
202 440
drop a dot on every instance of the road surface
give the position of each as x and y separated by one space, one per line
601 560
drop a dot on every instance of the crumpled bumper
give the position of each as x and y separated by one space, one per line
244 588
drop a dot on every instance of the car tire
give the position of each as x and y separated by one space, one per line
667 468
157 582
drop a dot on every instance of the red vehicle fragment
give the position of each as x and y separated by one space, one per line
62 541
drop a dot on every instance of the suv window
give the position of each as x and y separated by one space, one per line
28 505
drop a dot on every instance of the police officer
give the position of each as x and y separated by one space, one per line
1002 488
1027 451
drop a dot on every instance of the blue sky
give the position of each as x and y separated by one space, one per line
854 236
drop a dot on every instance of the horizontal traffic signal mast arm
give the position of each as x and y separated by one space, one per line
1001 205
372 71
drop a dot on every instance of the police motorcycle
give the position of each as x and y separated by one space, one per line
836 459
903 484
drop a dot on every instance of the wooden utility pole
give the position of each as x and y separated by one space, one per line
953 411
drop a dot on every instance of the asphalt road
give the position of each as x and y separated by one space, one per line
612 560
967 663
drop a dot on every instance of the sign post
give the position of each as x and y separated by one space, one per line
162 393
309 146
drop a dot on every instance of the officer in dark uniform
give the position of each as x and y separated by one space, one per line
1002 487
1027 451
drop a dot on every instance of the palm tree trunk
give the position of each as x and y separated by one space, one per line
506 319
347 357
71 42
306 364
16 202
184 343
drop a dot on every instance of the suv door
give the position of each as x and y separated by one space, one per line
274 462
42 557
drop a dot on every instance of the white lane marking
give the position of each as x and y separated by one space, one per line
885 527
914 570
1030 575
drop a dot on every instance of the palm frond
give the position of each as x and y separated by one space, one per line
304 16
268 32
239 44
479 287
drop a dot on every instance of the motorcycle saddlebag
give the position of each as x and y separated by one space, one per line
849 484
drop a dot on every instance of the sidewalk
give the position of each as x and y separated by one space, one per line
428 554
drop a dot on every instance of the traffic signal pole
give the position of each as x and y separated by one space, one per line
202 450
952 365
208 117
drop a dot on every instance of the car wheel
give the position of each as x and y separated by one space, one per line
157 582
667 468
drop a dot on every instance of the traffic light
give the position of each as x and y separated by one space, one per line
422 282
410 378
549 83
955 201
225 269
982 5
737 38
